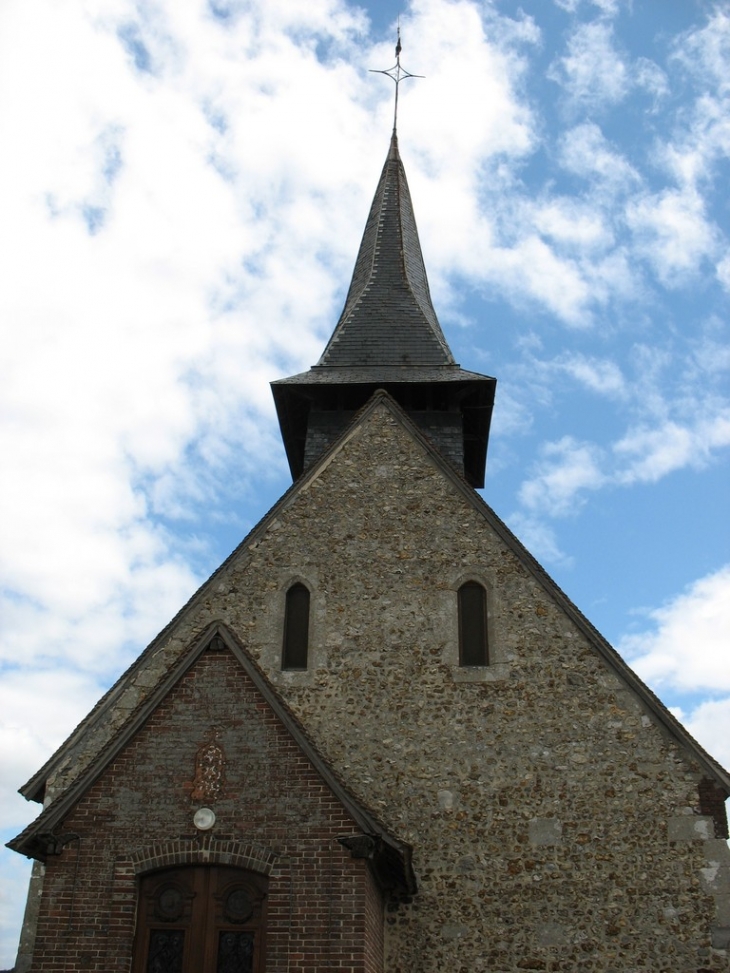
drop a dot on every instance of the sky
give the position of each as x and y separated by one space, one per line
183 188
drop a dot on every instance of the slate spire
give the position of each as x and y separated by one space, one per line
389 318
388 336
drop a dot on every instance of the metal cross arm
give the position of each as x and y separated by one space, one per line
398 74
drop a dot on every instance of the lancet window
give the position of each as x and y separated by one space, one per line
296 628
473 642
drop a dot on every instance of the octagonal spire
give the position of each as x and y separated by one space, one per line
389 318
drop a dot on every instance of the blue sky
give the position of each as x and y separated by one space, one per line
183 202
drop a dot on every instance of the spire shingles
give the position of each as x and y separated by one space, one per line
388 318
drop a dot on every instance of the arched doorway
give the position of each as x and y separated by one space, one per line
200 919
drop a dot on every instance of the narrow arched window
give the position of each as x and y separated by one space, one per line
296 628
473 649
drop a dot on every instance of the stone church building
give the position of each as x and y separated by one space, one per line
380 739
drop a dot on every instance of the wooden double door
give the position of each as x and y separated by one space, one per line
200 919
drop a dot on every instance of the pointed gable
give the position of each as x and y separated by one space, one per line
381 517
380 488
216 698
553 760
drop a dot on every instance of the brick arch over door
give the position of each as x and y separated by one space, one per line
164 854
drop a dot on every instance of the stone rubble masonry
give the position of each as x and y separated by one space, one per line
556 824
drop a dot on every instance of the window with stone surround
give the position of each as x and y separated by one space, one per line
473 643
296 628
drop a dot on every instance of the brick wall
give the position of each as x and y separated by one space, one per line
274 816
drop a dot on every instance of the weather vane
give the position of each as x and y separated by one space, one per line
397 73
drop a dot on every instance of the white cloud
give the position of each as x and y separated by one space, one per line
586 152
670 227
493 120
608 7
649 76
566 468
533 269
711 357
701 134
677 420
709 724
648 454
66 693
705 51
613 278
672 233
601 376
687 646
539 538
723 272
13 893
698 143
513 418
592 73
595 75
572 223
449 169
546 378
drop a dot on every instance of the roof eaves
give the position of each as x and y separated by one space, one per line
367 374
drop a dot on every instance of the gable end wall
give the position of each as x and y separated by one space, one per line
555 822
274 816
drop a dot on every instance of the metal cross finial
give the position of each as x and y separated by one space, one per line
397 73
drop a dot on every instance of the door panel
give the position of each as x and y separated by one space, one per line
235 952
165 952
200 919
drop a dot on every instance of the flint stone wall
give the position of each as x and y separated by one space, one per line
555 823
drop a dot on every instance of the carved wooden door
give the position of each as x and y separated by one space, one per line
200 919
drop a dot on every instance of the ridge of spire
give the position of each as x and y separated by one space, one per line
388 317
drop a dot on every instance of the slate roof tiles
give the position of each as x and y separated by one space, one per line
388 318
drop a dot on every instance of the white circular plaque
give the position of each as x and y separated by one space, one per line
204 819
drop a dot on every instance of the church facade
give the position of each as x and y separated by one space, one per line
380 739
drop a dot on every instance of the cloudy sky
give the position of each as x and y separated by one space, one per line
183 186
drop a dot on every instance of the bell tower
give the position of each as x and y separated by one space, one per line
388 336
